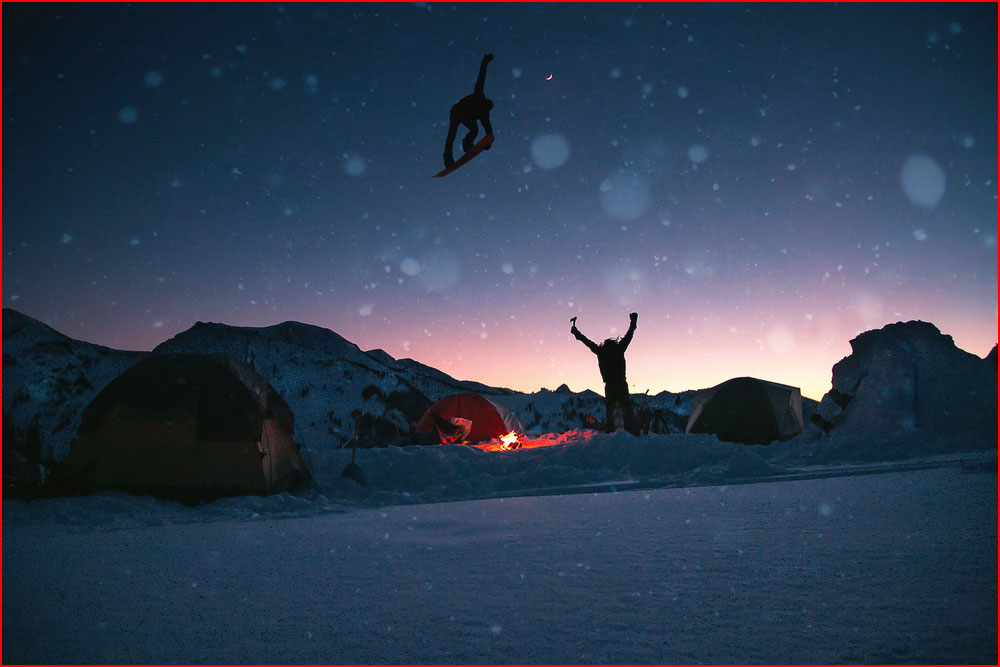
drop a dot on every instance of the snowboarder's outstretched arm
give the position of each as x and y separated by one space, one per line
481 81
631 330
583 339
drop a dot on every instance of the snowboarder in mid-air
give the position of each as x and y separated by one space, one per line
467 111
611 361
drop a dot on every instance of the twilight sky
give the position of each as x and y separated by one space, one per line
760 183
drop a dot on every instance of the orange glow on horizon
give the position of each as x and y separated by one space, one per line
689 358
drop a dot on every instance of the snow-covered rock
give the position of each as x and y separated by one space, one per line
908 376
48 379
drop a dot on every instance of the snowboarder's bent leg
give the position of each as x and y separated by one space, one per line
470 139
449 157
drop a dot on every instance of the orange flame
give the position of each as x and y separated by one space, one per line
508 441
519 441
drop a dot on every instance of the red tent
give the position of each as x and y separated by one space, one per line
489 418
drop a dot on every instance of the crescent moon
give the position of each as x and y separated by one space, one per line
548 78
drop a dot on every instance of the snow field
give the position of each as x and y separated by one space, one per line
894 567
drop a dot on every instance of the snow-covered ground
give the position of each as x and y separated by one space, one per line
712 563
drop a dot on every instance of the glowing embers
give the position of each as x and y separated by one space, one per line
520 441
509 441
515 440
504 443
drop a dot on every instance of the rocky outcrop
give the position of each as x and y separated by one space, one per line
908 376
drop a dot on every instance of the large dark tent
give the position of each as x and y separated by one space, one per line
189 427
747 410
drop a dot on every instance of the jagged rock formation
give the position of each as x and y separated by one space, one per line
908 376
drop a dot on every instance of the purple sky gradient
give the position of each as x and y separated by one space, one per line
760 183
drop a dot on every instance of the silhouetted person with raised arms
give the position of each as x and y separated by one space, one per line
611 361
467 111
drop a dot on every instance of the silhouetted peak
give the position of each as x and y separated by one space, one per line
18 325
216 337
381 356
901 333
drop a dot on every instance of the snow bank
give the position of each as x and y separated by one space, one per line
584 460
580 458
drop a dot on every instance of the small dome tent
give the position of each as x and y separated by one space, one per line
490 419
747 410
189 427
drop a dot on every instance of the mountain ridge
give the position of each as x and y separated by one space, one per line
331 384
49 378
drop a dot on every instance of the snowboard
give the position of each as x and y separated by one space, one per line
472 152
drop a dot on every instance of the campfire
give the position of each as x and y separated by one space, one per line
515 440
504 443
